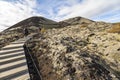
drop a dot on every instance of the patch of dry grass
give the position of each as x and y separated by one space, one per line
115 28
43 30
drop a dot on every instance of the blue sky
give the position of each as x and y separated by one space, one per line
13 11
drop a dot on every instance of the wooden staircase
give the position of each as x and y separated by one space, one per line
13 65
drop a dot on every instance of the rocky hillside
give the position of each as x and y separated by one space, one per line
75 21
37 22
78 52
33 24
81 49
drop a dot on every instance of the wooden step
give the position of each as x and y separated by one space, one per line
12 64
4 52
22 77
14 53
7 59
12 47
13 72
10 56
9 50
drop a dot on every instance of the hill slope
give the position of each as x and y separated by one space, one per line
73 49
33 25
77 53
75 21
35 21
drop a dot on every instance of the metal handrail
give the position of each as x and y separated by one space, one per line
33 62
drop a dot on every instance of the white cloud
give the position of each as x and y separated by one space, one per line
13 12
87 8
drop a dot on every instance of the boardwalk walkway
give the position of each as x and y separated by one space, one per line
13 65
